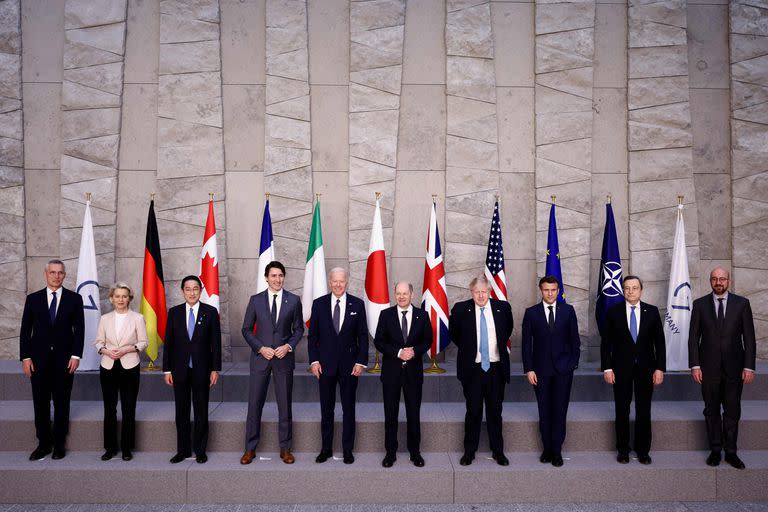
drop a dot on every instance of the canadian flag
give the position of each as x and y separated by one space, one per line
376 284
209 262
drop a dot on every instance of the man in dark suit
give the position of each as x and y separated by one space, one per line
721 354
633 356
403 335
50 348
551 348
338 354
272 327
480 328
192 362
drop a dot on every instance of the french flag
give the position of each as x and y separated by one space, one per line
266 248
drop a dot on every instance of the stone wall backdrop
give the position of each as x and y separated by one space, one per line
468 100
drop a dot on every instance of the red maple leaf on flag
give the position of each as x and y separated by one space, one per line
209 275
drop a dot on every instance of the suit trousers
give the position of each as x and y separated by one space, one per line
50 382
192 391
257 395
124 382
553 392
639 380
348 390
484 388
722 430
412 395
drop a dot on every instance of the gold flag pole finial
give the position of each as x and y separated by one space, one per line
152 196
680 200
266 194
88 196
608 198
210 196
378 195
317 196
434 196
553 199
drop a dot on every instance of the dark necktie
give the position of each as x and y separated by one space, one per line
404 327
274 309
720 313
52 308
551 317
337 316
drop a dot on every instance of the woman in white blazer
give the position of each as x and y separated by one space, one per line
121 337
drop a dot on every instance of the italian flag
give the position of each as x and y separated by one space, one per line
315 284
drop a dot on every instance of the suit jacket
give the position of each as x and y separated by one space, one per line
620 353
731 348
550 351
204 347
132 332
38 337
289 327
463 332
338 352
389 341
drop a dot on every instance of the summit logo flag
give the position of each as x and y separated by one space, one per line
677 320
609 286
88 288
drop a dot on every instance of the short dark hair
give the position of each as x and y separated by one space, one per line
549 280
630 276
191 278
274 264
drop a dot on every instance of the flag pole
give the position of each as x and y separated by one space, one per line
434 368
376 362
608 199
151 365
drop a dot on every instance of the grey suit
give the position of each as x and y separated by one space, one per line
259 331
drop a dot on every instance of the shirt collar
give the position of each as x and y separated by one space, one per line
408 309
343 298
629 306
194 308
724 296
546 306
48 289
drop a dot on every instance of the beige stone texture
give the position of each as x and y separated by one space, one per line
412 211
189 57
471 78
647 92
653 195
748 245
518 224
710 125
243 278
328 41
243 51
181 192
182 29
75 96
614 185
365 99
472 119
10 75
42 24
516 146
84 13
461 180
188 149
142 42
656 229
748 136
191 97
713 200
565 50
610 61
376 14
513 37
564 16
549 173
88 123
609 131
42 121
424 43
549 101
286 133
708 46
422 127
42 222
109 38
12 201
244 127
661 61
468 32
660 164
245 202
655 264
10 35
563 127
133 196
100 150
334 208
663 126
471 154
138 130
645 34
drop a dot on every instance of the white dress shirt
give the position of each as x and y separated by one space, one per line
408 318
270 296
629 313
342 307
717 303
546 310
493 348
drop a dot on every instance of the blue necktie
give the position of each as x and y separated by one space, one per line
485 358
633 324
52 308
191 329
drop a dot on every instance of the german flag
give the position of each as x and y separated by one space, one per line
153 290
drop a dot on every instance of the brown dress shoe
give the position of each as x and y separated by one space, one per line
287 456
248 457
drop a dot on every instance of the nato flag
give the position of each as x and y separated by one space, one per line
609 286
553 254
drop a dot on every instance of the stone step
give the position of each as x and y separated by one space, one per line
676 426
586 477
588 386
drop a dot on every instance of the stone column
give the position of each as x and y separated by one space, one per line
749 143
472 158
190 154
91 101
659 142
564 122
12 237
376 67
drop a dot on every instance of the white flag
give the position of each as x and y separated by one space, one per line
678 317
88 288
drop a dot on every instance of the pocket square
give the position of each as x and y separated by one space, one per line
352 313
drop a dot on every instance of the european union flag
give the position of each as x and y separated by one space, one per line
553 254
609 286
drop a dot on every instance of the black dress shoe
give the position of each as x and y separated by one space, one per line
734 460
201 459
545 458
622 458
389 459
59 453
644 459
39 453
501 459
348 457
127 455
178 458
108 454
713 459
467 458
417 460
557 460
323 456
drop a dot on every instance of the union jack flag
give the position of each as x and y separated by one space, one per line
434 296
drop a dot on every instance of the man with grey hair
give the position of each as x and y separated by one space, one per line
50 347
338 353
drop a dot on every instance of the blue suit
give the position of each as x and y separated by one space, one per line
553 353
337 355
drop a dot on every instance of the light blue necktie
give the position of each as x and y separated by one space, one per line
485 358
633 324
191 329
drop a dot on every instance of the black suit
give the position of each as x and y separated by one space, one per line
480 386
191 383
337 354
51 346
722 351
633 364
397 374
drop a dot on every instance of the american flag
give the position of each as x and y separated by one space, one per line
494 259
434 294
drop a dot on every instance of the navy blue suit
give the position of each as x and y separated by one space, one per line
337 355
553 354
